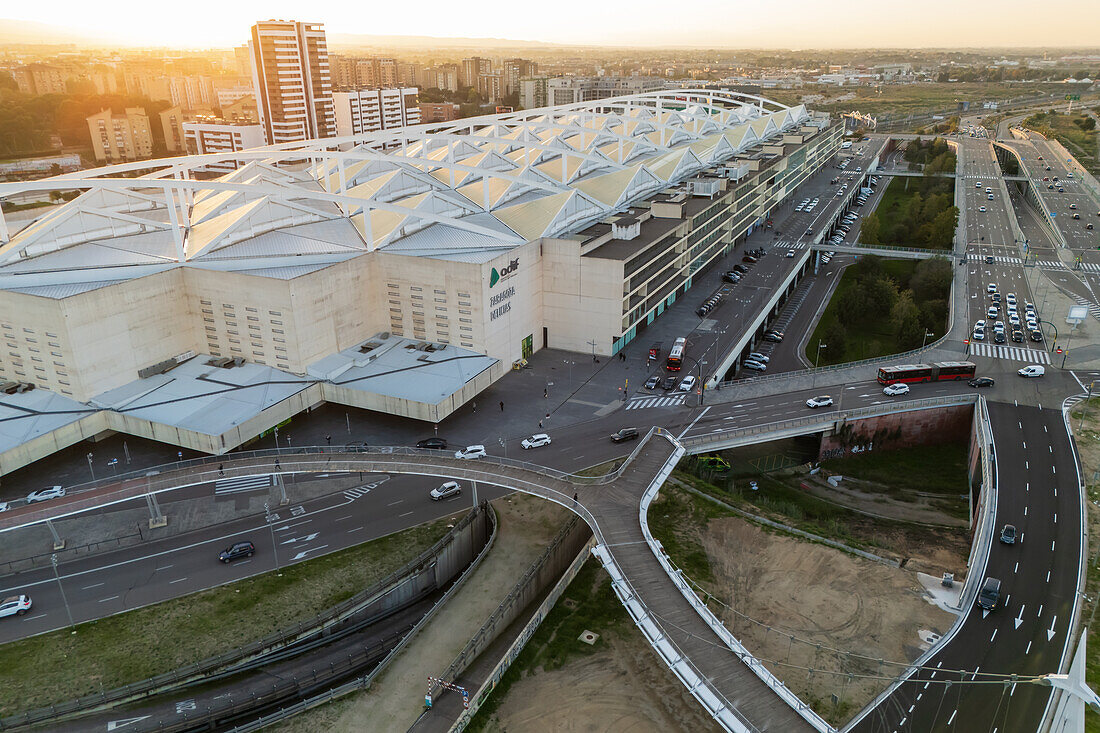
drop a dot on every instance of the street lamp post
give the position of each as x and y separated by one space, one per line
817 357
60 587
274 547
91 468
927 335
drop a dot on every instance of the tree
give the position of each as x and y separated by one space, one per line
835 338
905 317
943 228
882 295
931 279
869 229
852 305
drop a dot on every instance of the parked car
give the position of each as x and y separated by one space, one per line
773 336
15 605
446 491
896 389
624 434
1032 371
981 382
535 441
53 492
755 366
471 451
819 401
237 550
757 356
731 277
433 443
652 382
1008 534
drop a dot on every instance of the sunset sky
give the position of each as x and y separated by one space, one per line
725 23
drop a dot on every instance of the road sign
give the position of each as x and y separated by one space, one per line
1073 97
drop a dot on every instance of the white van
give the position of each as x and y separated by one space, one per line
1033 370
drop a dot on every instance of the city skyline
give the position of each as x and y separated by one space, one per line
937 24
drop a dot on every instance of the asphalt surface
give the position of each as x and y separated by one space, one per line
104 584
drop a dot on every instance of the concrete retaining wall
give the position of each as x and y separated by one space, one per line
899 430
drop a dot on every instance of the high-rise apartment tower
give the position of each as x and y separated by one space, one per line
291 76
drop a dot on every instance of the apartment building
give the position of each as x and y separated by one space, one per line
39 79
438 111
171 125
370 110
516 69
471 69
491 86
215 135
290 74
120 138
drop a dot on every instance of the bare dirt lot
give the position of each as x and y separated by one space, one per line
818 596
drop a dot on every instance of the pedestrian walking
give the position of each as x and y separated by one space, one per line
276 463
502 405
475 406
221 469
545 392
575 497
540 424
328 440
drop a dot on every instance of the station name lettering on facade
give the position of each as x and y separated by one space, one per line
501 303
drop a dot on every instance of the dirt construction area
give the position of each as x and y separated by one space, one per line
813 600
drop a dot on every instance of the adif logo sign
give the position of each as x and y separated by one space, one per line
504 273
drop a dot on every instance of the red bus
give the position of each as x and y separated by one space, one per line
676 355
936 372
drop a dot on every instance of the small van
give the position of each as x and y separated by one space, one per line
1034 370
990 594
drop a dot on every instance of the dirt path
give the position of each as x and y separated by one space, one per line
866 497
819 596
527 525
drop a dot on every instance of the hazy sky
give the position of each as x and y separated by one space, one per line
727 23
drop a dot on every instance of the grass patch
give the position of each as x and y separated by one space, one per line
939 469
594 607
1068 130
133 646
906 99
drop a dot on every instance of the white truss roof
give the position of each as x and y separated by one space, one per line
480 185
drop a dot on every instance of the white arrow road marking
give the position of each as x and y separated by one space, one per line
1050 631
307 538
303 553
1019 619
116 724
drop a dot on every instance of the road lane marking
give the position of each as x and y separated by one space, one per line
93 585
41 615
404 515
692 423
340 519
104 600
1017 568
354 530
994 635
1048 576
163 567
952 718
178 580
395 503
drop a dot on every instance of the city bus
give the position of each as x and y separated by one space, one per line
936 372
676 355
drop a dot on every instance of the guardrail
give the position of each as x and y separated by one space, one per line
202 670
166 477
711 620
365 681
823 419
874 248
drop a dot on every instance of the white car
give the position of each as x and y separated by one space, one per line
446 491
1011 298
1034 370
686 384
896 389
757 356
756 366
471 451
3 506
790 253
979 334
53 492
991 288
15 605
819 401
1014 319
535 441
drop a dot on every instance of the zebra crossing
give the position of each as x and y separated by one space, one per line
242 483
639 403
1007 260
1094 309
1012 353
1049 264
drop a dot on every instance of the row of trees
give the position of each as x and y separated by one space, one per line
922 221
913 307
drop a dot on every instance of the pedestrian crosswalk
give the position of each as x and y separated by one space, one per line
639 403
1088 267
1007 260
1094 309
1049 264
1012 353
243 483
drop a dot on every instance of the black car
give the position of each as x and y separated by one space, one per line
1018 336
652 382
436 443
999 337
237 550
1008 534
1037 336
740 268
989 259
702 310
749 259
981 382
731 276
669 383
624 434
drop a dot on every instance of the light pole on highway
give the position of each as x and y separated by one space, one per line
65 600
927 335
269 518
817 357
91 469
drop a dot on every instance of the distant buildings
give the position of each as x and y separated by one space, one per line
370 110
120 138
438 111
290 74
543 91
171 125
38 79
215 135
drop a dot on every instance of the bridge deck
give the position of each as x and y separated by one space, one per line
616 510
